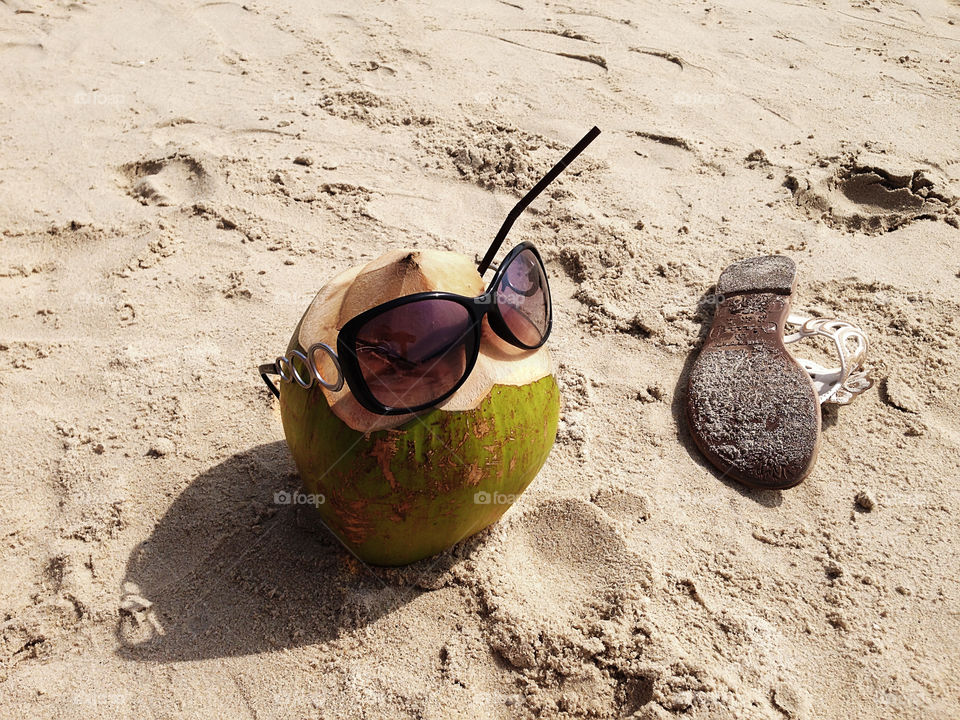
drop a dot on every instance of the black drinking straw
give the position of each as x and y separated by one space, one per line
531 196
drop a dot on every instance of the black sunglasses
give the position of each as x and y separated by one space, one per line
414 352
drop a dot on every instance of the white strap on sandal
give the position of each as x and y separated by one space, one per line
835 385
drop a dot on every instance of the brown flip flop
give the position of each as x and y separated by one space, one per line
752 409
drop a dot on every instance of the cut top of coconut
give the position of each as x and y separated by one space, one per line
405 272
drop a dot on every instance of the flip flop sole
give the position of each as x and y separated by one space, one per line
752 409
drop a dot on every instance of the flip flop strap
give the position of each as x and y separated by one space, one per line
835 385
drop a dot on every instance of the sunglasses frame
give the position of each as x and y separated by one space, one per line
478 308
345 360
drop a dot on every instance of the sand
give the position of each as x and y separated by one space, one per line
177 180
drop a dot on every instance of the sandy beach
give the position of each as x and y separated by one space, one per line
178 180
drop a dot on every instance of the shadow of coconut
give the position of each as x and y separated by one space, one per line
227 571
704 317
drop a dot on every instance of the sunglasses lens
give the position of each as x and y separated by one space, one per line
523 299
414 354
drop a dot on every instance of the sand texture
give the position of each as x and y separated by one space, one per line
177 181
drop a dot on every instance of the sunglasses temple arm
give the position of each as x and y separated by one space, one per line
531 196
265 371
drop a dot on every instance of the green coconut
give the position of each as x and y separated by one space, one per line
396 489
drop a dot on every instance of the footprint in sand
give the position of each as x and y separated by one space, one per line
551 579
173 180
628 508
874 193
670 152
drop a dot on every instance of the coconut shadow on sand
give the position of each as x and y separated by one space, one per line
229 572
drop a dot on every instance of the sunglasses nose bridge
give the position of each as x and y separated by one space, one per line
488 308
483 307
483 303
